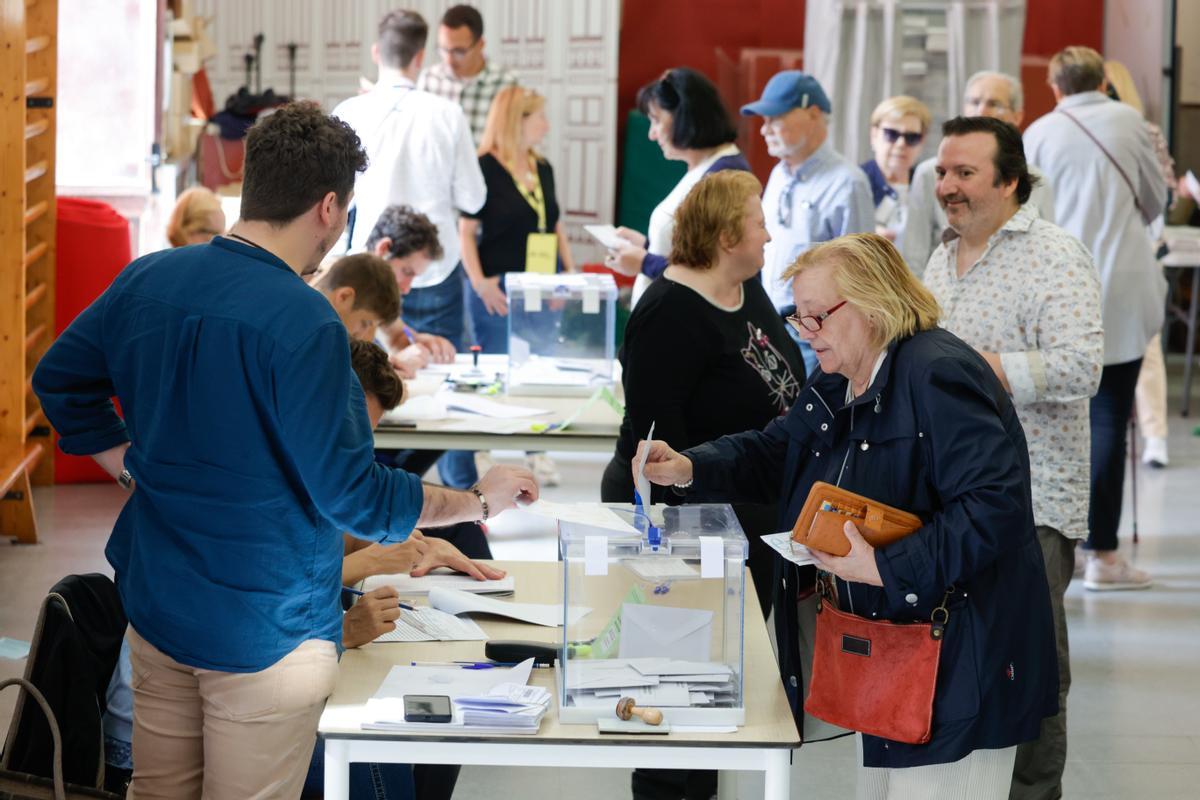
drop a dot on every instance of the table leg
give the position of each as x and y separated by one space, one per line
1191 340
337 770
777 785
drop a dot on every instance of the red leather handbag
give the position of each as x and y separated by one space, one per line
875 677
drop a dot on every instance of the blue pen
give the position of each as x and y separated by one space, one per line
410 333
462 664
358 593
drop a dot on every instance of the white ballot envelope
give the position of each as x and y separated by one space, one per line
682 633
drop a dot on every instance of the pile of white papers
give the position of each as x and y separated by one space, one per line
663 682
439 579
424 624
507 705
482 691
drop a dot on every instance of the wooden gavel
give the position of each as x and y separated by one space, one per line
626 708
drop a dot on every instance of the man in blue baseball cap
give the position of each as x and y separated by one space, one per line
814 194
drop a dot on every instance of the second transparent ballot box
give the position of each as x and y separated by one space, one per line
561 332
655 612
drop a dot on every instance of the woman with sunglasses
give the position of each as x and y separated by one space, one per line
898 128
907 414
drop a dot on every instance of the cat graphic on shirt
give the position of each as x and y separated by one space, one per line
771 366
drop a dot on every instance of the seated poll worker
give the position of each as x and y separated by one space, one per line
246 448
363 292
907 414
706 354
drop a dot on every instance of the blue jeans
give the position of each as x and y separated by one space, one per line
439 310
491 330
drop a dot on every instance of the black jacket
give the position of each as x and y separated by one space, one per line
74 652
934 434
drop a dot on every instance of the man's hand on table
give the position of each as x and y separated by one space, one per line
372 616
440 553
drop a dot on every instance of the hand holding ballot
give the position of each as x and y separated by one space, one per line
626 257
662 464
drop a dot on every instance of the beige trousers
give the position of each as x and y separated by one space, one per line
1151 395
980 775
217 735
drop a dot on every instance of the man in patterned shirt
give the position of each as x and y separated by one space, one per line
465 76
1026 295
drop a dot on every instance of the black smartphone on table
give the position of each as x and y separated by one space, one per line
426 708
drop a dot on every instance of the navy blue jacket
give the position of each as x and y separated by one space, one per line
652 265
934 434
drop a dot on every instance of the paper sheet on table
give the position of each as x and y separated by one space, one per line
477 404
591 514
782 544
641 484
440 578
424 624
473 423
422 408
685 633
605 235
550 615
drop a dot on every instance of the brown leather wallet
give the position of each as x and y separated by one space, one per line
819 526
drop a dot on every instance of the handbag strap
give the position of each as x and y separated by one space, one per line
60 789
938 618
1136 203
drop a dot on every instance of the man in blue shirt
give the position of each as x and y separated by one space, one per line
247 448
813 194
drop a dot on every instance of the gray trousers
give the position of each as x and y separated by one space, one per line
1037 774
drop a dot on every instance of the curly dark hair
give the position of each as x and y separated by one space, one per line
370 364
409 230
294 157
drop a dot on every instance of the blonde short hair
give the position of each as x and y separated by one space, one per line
870 274
191 214
1076 69
714 208
502 136
901 106
1122 83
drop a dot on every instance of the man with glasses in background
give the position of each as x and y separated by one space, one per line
465 76
988 94
814 194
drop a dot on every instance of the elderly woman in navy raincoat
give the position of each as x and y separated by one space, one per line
906 413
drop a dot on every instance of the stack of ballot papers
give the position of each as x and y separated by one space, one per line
497 700
507 705
663 682
425 624
440 578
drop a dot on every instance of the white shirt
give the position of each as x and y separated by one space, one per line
926 219
1034 298
1093 202
420 154
660 230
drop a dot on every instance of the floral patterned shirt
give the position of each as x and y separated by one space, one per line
1034 298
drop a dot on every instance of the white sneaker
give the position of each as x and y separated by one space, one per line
1154 452
543 468
1118 576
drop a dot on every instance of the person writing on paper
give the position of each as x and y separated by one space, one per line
518 229
907 414
690 124
363 292
706 354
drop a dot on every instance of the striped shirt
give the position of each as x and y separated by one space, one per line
473 94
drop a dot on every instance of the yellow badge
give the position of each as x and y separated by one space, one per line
541 253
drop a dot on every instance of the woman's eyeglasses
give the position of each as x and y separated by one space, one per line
912 139
811 323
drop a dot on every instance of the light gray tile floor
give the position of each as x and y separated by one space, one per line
1134 710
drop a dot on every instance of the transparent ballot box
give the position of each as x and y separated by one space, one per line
654 612
561 332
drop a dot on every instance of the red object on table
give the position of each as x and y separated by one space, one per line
623 281
93 246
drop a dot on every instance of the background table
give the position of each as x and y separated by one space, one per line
762 744
594 431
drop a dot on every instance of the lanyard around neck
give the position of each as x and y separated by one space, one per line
534 196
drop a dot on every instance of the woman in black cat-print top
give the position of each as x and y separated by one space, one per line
705 352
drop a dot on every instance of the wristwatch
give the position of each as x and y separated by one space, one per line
126 480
